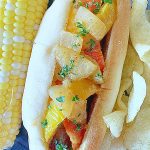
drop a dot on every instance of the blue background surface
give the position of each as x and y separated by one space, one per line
21 142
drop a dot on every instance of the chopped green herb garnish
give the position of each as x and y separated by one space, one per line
60 99
97 9
60 146
99 75
71 63
44 123
80 3
107 1
75 98
75 121
75 45
78 126
91 43
66 69
82 29
87 5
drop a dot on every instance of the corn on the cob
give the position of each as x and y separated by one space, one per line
19 21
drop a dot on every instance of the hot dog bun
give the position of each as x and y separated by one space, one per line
41 71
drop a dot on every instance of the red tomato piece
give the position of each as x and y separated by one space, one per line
75 132
93 6
58 82
96 54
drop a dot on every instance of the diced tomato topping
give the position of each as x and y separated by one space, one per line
96 54
93 6
58 82
75 131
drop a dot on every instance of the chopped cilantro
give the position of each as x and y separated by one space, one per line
82 29
71 63
60 99
98 75
80 3
75 98
75 45
91 43
66 69
97 9
78 126
44 123
60 146
107 1
87 5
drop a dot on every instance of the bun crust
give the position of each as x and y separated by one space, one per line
112 76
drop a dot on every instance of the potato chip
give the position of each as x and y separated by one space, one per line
140 30
137 135
132 63
122 101
117 144
115 121
148 15
136 97
146 76
107 141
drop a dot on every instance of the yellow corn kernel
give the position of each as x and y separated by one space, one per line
26 54
27 47
5 67
18 45
17 58
29 36
7 54
7 48
20 19
9 13
21 4
17 53
5 61
19 31
8 27
19 25
25 61
8 20
20 12
21 82
4 86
